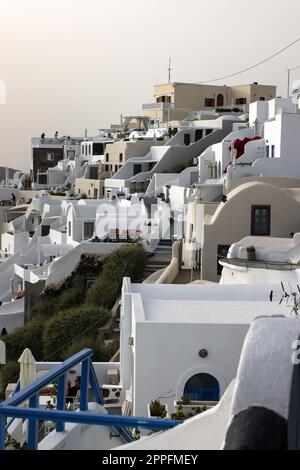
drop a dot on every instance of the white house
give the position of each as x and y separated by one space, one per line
81 220
184 339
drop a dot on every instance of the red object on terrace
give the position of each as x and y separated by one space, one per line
239 145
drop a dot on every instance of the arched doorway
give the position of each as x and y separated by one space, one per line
220 100
202 387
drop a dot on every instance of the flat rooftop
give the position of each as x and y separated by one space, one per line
205 304
209 312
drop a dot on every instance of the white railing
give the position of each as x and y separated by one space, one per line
158 106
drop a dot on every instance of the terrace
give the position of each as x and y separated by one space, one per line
106 430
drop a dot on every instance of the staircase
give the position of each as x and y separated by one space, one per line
160 259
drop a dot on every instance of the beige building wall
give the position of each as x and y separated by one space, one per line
118 153
93 189
232 220
252 93
187 97
192 97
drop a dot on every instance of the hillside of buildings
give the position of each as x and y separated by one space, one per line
72 317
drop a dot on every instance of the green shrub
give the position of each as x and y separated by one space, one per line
128 261
102 352
8 374
65 326
29 336
72 292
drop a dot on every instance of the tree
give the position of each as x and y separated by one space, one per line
9 374
29 336
102 352
64 327
128 261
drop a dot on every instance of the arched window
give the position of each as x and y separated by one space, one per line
202 387
220 100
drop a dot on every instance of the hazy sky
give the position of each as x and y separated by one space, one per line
75 64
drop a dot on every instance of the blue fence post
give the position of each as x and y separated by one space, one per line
2 432
33 425
84 384
95 385
61 400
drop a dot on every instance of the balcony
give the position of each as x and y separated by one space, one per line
160 106
259 264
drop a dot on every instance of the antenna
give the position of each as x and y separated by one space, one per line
292 300
169 70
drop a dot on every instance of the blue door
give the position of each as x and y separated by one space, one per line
202 387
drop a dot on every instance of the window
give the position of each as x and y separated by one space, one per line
261 221
137 168
45 230
42 178
116 168
50 157
220 99
187 139
152 165
78 190
69 229
107 157
273 151
163 99
208 131
241 101
209 102
89 192
120 157
98 148
222 253
202 387
94 174
198 134
262 98
268 151
106 167
88 230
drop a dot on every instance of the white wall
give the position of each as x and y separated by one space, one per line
259 112
167 355
11 243
82 437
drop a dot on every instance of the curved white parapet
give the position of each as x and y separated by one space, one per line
268 248
265 370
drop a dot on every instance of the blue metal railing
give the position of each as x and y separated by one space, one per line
17 388
12 406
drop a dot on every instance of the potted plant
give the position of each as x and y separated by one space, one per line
251 253
185 408
157 410
179 415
